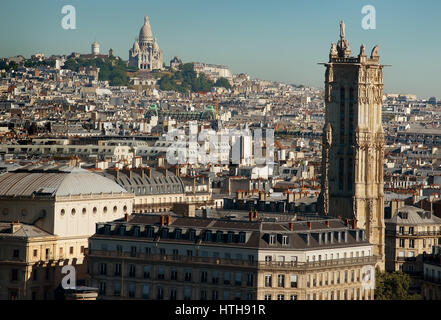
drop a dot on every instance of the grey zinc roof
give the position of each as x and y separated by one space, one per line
55 181
24 230
413 217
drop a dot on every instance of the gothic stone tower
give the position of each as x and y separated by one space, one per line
353 141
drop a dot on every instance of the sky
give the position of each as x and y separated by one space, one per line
279 40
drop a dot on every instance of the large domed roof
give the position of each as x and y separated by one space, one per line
59 181
145 34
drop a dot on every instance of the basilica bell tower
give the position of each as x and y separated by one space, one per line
352 179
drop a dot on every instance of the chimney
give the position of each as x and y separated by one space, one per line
346 235
332 236
309 224
194 185
308 236
339 236
130 174
166 173
357 235
327 223
363 235
326 237
319 238
150 172
162 221
126 217
262 195
168 220
15 227
346 222
142 173
354 224
291 226
251 215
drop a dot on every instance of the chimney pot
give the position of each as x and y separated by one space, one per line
327 223
162 220
309 224
291 226
354 224
126 217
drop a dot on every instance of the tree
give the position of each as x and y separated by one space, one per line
393 286
222 82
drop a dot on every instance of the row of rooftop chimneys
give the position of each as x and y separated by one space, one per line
291 196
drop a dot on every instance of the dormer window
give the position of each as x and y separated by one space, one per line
230 236
150 232
219 236
285 240
191 234
178 233
208 235
242 237
272 239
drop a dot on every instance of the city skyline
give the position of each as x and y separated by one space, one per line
283 42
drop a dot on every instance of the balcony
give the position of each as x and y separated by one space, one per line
264 265
413 234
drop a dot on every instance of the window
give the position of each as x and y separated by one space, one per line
82 249
187 293
401 243
15 253
103 268
35 252
117 289
173 275
132 270
411 243
161 274
272 239
401 230
71 250
238 278
14 274
411 230
250 279
267 297
117 269
226 277
293 281
159 293
293 297
146 291
204 276
131 290
102 288
215 277
203 295
268 280
173 294
280 297
214 295
281 281
187 275
285 240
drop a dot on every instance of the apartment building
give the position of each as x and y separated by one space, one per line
410 233
173 257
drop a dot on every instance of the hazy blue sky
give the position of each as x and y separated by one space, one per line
274 40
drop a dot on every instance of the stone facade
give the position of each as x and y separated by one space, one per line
145 53
353 141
